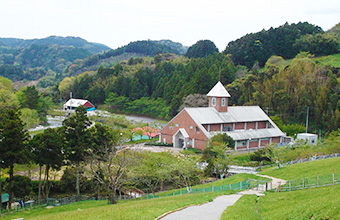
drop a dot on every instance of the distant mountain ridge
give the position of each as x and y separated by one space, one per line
134 49
16 43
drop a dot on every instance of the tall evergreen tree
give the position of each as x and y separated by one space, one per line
78 141
13 147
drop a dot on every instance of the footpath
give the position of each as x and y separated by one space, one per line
213 210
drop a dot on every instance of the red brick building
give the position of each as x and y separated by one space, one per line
249 126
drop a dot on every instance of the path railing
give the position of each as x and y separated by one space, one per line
233 186
312 182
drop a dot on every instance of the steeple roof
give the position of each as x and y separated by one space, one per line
218 91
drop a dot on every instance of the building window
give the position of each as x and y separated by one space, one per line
226 128
176 125
197 130
213 101
191 127
171 126
241 143
223 102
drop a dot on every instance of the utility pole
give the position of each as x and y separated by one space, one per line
307 119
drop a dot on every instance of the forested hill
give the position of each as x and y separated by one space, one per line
134 49
286 41
76 42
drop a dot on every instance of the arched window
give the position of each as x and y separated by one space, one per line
223 102
213 101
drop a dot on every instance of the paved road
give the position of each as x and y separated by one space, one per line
208 211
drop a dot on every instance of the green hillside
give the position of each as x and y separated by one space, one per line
132 50
307 170
55 40
317 203
330 60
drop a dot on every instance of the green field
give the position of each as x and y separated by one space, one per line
307 170
225 182
129 209
317 203
331 60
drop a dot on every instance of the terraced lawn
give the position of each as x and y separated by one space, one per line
307 170
317 203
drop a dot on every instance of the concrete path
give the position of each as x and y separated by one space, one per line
213 210
275 183
208 211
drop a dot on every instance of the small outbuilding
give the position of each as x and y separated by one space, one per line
4 200
72 104
310 138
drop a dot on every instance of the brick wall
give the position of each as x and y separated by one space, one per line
184 121
251 125
239 126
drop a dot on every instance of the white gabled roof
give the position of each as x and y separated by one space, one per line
251 133
209 115
218 91
183 131
75 102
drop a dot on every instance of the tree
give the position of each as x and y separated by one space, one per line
320 44
109 166
154 169
47 149
30 116
22 186
28 97
7 100
184 171
78 139
13 147
201 48
221 160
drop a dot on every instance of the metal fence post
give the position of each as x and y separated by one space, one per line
290 185
303 182
212 188
240 185
333 179
317 181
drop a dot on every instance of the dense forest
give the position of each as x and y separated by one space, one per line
286 41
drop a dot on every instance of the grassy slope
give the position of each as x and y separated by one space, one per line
233 179
331 60
146 209
308 169
129 210
317 203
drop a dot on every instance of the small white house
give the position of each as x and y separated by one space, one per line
310 138
72 104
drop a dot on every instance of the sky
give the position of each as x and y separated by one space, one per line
116 23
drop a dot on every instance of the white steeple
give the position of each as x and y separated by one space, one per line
219 91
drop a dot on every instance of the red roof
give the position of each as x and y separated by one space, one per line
88 105
148 131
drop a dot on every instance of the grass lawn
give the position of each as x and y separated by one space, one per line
130 209
317 203
307 170
230 180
